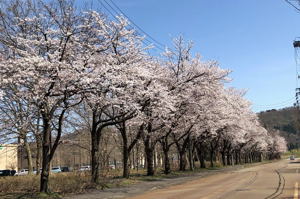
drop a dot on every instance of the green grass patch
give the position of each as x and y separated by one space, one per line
295 152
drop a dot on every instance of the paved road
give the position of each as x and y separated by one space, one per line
267 181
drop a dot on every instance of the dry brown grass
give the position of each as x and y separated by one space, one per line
73 182
19 184
62 183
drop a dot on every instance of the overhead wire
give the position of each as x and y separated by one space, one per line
157 42
285 103
113 12
117 13
113 15
281 102
289 2
275 107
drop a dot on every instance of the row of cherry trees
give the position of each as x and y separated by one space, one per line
63 67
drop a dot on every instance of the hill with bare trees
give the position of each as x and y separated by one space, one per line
287 121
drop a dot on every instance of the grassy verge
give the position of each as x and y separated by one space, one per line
295 152
28 186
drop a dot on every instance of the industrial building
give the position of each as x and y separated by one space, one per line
9 156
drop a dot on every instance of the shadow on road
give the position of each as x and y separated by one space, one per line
296 162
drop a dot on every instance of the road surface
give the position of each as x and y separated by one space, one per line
275 180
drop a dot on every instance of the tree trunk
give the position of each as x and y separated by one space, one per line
149 156
191 157
246 158
260 157
45 158
229 155
223 158
125 159
96 133
211 158
211 155
201 155
95 149
45 175
181 148
202 160
128 148
133 159
137 157
167 165
122 129
38 139
223 152
228 159
48 148
236 157
166 148
38 155
182 161
150 164
29 156
95 156
145 161
154 159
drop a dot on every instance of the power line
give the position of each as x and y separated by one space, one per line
116 13
157 44
114 16
275 107
278 103
289 2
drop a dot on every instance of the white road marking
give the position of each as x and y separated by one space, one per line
296 191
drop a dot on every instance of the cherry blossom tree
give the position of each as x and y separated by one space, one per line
192 83
45 50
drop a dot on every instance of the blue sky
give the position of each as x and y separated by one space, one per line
253 38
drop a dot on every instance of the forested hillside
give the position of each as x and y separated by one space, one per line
287 121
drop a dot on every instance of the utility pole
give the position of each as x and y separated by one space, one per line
296 45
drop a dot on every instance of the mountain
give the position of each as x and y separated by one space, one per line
287 121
